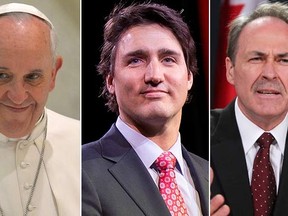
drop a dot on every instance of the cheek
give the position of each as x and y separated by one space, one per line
125 88
282 75
184 82
124 85
284 82
241 82
245 76
43 89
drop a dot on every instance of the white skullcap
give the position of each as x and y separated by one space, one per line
24 8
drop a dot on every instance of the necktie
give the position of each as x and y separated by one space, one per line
168 187
263 183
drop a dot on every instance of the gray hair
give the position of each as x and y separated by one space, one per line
276 9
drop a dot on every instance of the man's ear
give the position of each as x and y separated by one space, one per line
110 84
229 70
57 66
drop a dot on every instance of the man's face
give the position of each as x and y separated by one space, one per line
27 74
150 80
260 73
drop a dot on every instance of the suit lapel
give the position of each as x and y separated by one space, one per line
132 175
137 182
281 205
200 180
228 162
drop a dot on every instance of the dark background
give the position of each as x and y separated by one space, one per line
96 120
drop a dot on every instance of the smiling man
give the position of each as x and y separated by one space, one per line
39 148
148 62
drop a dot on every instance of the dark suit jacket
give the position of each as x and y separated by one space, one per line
115 182
230 169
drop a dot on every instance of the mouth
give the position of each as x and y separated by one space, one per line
268 92
154 93
17 109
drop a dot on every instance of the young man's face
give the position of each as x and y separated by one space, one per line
151 79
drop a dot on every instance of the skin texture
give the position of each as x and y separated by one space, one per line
27 73
151 82
260 73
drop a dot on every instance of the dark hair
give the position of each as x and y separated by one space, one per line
123 18
276 9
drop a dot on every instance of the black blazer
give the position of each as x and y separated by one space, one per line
230 169
115 182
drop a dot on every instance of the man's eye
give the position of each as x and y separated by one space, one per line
283 61
255 59
4 76
33 76
134 61
168 59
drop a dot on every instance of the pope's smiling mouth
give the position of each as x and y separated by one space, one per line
17 109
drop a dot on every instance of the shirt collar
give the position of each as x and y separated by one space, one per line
147 150
250 132
40 126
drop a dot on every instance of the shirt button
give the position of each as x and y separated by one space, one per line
31 208
23 164
27 186
22 145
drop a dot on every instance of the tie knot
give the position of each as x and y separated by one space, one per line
265 140
165 161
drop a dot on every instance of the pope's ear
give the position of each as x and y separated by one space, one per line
57 66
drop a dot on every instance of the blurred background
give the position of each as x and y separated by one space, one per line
96 120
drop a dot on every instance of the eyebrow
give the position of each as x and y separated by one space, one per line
3 68
141 52
258 53
36 71
168 52
281 55
32 71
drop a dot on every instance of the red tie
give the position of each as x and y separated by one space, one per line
168 187
263 183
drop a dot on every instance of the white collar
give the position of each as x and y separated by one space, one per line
147 150
40 126
250 132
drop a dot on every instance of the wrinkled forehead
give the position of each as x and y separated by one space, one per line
24 8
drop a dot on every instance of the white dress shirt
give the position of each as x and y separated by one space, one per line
250 133
149 151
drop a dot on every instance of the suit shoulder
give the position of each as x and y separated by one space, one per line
215 113
201 161
199 164
214 118
90 150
